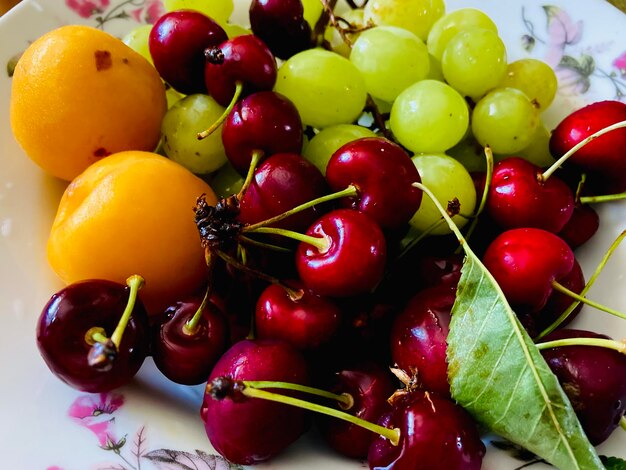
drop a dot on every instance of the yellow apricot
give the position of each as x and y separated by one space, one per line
79 94
132 213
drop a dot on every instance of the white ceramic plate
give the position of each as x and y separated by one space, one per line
46 425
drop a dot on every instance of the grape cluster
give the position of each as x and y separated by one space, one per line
316 128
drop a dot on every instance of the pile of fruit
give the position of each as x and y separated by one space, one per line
355 211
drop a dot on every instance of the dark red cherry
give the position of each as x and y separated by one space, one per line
383 174
352 260
434 433
244 59
299 317
582 225
187 356
251 431
525 262
281 25
594 379
440 269
370 386
177 42
282 182
419 335
605 155
264 122
519 197
64 341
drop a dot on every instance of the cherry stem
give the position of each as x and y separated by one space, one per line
546 174
238 90
268 246
392 434
603 198
95 335
570 293
580 187
619 346
134 282
257 155
192 326
345 400
321 243
350 191
483 201
568 311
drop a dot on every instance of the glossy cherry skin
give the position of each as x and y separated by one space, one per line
188 358
282 182
593 378
264 121
354 261
370 385
383 174
582 225
419 335
518 197
525 262
281 24
440 269
307 322
252 430
434 433
177 42
67 317
606 155
243 58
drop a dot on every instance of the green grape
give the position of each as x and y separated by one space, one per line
417 16
334 39
226 181
474 62
506 120
447 179
533 77
219 10
470 154
434 71
234 30
538 151
172 96
179 129
312 11
390 59
137 40
326 88
453 23
429 116
322 146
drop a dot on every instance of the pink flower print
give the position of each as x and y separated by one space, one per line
620 64
87 8
149 13
95 412
562 31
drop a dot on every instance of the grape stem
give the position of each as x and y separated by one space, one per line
238 90
619 346
564 290
134 282
546 174
568 311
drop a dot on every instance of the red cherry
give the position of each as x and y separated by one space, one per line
519 197
419 335
177 42
252 431
605 155
263 122
306 322
582 225
244 59
434 433
280 183
353 260
525 262
383 174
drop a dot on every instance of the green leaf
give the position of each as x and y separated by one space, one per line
498 375
613 463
